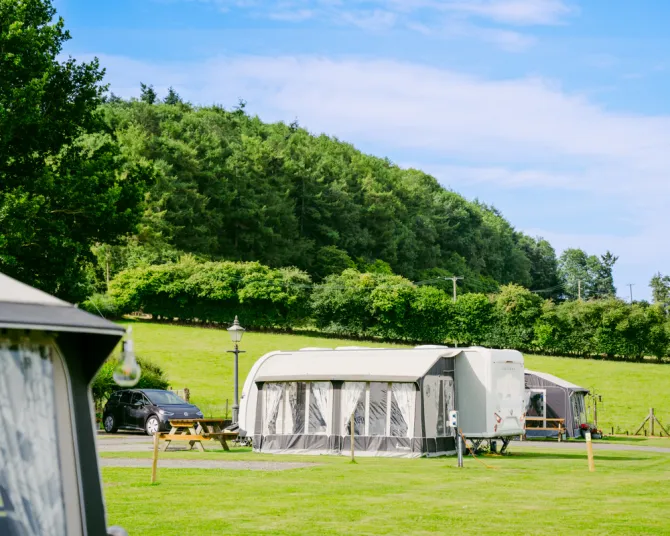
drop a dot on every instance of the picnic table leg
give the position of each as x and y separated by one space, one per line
198 443
173 431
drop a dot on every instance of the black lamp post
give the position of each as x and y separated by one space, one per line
236 331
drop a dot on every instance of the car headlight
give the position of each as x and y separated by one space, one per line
198 413
163 412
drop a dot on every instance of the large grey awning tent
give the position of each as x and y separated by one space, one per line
400 399
49 353
551 397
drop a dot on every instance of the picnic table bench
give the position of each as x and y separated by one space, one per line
560 428
195 431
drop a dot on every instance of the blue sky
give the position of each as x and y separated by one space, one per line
554 111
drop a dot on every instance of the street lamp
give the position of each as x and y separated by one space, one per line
236 331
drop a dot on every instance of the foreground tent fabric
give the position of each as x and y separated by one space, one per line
551 397
399 399
49 352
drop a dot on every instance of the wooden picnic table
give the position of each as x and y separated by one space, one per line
195 431
547 425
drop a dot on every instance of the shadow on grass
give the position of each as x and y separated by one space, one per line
564 456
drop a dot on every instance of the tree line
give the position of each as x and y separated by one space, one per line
388 307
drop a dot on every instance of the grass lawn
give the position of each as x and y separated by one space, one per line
527 492
196 358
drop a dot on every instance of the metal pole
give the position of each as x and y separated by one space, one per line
236 407
351 426
460 449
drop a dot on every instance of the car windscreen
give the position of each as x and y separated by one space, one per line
161 398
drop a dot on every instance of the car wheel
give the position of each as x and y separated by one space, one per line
110 424
151 426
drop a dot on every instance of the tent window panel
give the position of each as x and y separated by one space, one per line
353 401
319 416
578 409
446 405
378 406
441 419
403 401
431 403
296 407
31 492
273 411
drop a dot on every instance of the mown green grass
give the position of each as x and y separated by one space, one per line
196 358
527 492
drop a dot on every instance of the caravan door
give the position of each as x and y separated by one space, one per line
509 394
537 408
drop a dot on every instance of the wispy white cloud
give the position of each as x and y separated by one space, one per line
430 17
520 12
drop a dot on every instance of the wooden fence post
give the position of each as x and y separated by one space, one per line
589 452
652 418
154 464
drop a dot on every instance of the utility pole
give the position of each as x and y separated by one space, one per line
579 289
454 279
631 291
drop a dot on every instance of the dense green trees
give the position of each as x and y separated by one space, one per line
64 182
229 186
584 274
660 289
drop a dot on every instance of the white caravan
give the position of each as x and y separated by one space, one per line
486 386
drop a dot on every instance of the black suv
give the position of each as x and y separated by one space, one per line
145 409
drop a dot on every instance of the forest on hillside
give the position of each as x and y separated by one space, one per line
229 186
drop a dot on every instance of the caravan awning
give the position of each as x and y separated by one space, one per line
354 364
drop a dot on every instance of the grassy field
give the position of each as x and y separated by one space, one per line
527 492
196 358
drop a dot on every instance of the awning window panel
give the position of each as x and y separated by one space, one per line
378 409
319 404
353 401
403 401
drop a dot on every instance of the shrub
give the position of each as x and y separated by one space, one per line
216 292
101 304
103 384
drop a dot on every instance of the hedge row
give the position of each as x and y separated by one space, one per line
215 292
390 307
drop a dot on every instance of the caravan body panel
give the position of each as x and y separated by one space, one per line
490 392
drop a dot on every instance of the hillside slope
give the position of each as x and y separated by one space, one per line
196 358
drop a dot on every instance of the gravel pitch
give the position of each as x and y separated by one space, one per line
205 464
